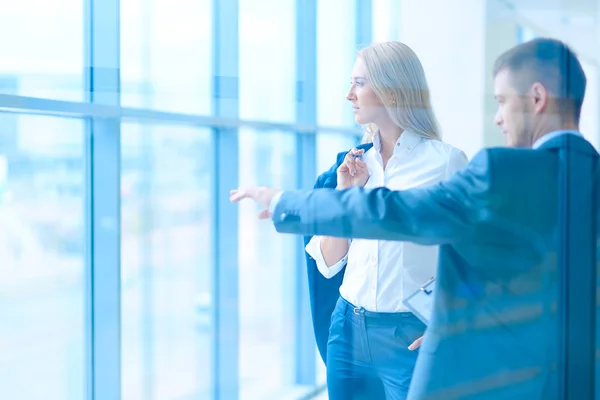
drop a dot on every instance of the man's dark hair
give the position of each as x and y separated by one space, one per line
551 63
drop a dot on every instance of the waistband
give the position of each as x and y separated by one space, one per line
351 309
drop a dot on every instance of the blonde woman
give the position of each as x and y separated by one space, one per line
370 329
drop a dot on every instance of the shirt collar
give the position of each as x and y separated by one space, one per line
407 141
549 136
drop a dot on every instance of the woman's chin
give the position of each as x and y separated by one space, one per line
359 120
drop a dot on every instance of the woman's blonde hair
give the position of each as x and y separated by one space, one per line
398 79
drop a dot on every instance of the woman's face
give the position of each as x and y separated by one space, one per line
366 106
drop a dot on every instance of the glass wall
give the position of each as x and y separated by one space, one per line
205 96
336 51
42 240
166 55
267 60
46 61
165 261
266 272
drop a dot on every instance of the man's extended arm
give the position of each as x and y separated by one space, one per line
442 213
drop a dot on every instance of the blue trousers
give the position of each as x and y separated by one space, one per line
366 349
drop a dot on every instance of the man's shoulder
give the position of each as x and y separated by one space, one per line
504 163
500 151
517 168
493 155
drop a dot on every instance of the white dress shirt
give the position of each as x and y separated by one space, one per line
381 273
551 135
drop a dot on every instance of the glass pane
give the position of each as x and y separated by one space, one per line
267 272
336 51
458 65
166 60
42 189
267 60
166 262
42 47
385 20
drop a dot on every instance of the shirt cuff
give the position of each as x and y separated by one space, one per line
274 201
313 248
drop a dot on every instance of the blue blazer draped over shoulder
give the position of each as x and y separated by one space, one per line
324 292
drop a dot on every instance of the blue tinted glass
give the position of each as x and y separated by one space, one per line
267 280
267 38
166 261
42 193
43 49
166 55
336 51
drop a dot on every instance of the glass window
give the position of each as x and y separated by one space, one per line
42 47
386 20
166 262
42 189
336 52
267 39
267 264
166 59
167 172
267 60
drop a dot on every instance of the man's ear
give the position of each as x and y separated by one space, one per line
540 97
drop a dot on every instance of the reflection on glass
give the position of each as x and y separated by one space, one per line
166 262
336 51
267 272
166 55
42 47
42 190
267 60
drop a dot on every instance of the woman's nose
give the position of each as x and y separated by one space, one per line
350 96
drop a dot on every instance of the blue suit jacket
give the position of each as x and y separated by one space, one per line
323 292
493 334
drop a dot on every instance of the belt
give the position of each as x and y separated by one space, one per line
354 310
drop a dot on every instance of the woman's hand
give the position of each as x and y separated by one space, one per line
416 344
353 171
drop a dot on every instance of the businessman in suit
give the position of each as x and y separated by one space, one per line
494 330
